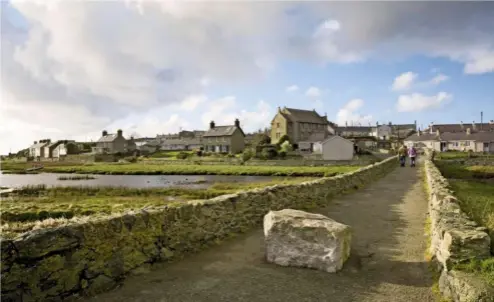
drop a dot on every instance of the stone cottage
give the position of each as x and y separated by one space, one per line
224 139
299 125
111 143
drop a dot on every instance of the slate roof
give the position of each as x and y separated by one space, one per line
303 116
459 128
107 138
38 145
481 136
222 131
365 129
316 137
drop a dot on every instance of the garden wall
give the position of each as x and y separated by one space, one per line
84 259
273 162
455 239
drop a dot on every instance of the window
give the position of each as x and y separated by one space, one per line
277 125
278 135
467 144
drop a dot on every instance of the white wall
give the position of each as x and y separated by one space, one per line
337 148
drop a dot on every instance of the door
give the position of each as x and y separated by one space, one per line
486 147
443 146
217 149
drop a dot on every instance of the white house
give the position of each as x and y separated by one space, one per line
481 141
334 148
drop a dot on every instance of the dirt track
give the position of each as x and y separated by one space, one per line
387 262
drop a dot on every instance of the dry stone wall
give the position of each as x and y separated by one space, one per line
455 239
84 259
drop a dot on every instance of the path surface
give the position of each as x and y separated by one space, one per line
387 262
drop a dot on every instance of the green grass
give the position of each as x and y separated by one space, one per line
483 268
458 171
462 155
32 204
160 169
169 154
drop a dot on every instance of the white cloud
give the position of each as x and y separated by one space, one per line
292 88
439 79
404 81
157 53
313 92
349 114
191 102
417 102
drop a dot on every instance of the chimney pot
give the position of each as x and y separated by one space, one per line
104 133
119 132
211 125
237 123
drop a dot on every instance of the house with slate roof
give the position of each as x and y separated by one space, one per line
467 140
224 139
37 150
299 125
57 149
113 143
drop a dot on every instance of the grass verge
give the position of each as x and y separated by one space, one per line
164 169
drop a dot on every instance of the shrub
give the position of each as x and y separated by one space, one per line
247 154
269 153
199 153
282 154
229 155
182 155
286 146
131 159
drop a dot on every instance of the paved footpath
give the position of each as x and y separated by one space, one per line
387 262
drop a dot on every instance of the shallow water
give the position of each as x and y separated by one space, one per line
130 181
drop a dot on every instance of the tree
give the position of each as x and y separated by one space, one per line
283 139
261 139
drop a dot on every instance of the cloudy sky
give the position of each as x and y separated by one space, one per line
73 68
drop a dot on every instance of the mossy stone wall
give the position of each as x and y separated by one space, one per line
84 259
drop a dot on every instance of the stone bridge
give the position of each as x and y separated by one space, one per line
387 260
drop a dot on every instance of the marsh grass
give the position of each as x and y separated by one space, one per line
458 171
21 210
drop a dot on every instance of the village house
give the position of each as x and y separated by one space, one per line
114 143
479 141
299 125
334 148
224 139
57 149
461 127
37 150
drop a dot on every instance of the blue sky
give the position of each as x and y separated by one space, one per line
76 68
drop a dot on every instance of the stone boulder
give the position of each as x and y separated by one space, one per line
301 239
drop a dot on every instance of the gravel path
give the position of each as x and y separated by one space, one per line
387 262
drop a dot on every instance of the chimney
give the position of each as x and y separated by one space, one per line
279 109
474 127
389 124
377 124
237 123
437 132
461 125
35 142
481 119
211 125
104 133
468 131
119 132
419 132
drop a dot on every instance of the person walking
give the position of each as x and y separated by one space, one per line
412 153
402 153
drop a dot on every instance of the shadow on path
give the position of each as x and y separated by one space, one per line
387 262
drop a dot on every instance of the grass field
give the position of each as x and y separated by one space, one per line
161 169
458 171
474 187
30 205
461 155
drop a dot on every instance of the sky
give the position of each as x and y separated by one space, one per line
71 69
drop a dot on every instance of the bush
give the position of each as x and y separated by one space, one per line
182 155
130 159
282 154
229 155
286 147
247 154
269 153
283 139
199 153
